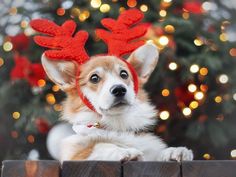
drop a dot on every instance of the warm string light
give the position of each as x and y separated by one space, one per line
194 105
121 9
198 42
165 92
203 87
7 46
218 99
199 95
233 153
16 115
173 66
192 88
95 3
82 15
194 68
203 71
164 115
50 98
55 88
75 12
41 82
186 111
169 28
223 79
163 40
104 8
144 8
132 3
61 11
165 4
207 156
163 13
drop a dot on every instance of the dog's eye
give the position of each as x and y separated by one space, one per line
94 79
124 74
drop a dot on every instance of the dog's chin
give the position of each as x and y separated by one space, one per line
118 107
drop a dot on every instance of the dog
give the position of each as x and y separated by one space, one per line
119 128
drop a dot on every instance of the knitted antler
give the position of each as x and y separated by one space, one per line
119 40
63 44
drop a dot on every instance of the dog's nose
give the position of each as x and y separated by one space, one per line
118 90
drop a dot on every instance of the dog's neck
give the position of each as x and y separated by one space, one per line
138 117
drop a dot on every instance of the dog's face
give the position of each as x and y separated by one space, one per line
105 80
108 84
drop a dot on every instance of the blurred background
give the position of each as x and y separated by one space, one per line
193 86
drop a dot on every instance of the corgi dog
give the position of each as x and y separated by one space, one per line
119 129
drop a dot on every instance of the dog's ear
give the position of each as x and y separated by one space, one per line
144 60
61 73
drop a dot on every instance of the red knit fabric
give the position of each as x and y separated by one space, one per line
120 39
64 46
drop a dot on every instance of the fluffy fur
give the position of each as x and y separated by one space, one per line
123 134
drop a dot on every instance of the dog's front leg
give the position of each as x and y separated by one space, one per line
113 152
177 154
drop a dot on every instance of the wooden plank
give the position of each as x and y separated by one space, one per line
221 168
151 169
21 168
91 169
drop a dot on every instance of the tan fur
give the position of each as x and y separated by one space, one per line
73 103
84 153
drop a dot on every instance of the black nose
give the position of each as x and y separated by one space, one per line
118 90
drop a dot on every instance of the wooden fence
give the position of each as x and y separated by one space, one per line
116 169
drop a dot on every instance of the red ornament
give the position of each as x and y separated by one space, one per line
194 7
24 69
20 42
42 125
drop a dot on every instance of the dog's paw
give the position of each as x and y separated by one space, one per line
111 152
131 154
177 153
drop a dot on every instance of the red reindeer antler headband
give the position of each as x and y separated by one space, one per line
65 46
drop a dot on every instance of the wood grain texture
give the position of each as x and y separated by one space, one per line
215 168
21 168
91 169
151 169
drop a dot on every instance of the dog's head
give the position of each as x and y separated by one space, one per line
106 81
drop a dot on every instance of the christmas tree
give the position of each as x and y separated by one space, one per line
192 87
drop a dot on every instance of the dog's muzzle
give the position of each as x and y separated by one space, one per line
118 91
